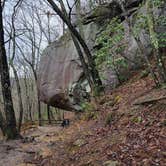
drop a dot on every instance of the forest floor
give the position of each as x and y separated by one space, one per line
129 128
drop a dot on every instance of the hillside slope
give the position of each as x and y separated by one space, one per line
127 129
123 133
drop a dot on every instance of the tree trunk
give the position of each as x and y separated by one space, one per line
28 103
10 130
2 124
141 48
79 22
79 51
48 114
19 97
39 110
92 66
38 100
150 67
154 40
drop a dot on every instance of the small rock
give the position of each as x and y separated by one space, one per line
164 154
28 139
79 142
44 162
111 163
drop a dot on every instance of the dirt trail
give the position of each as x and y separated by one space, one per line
36 142
119 133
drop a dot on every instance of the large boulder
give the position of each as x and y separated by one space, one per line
61 82
132 54
59 69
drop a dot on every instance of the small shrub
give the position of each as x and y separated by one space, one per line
90 112
110 46
144 73
86 106
137 119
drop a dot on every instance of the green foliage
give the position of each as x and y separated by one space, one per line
86 106
161 21
149 21
111 42
137 119
90 111
140 23
90 115
144 73
158 3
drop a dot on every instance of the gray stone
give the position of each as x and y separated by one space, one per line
60 76
79 142
111 163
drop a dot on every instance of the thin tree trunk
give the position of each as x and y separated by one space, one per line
78 48
2 124
51 115
19 97
10 130
14 69
48 114
78 12
160 65
153 36
39 111
150 67
92 66
79 51
29 105
141 48
38 100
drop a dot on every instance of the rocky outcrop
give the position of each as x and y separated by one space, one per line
61 82
110 10
59 69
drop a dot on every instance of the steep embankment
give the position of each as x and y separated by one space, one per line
123 133
127 129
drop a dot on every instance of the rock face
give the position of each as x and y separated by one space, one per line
61 81
59 69
110 9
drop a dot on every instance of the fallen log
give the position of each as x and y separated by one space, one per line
149 101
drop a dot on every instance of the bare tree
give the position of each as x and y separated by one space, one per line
34 43
30 44
90 70
13 36
10 129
